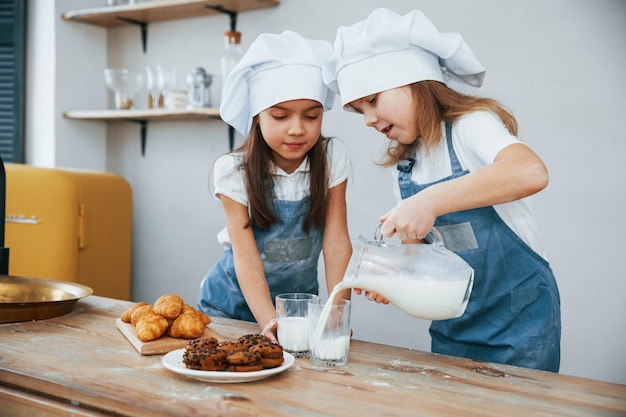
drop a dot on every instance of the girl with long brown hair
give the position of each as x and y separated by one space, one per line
283 191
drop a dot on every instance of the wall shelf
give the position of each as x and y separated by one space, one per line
147 114
162 10
142 117
141 14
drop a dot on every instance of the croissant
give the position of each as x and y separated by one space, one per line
169 306
126 315
205 318
187 309
139 312
151 326
188 325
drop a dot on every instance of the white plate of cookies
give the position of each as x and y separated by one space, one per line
174 362
244 360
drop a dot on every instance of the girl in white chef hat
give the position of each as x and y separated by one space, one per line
283 190
460 168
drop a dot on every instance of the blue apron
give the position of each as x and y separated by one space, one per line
513 315
289 256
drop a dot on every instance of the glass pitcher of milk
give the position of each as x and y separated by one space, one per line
427 281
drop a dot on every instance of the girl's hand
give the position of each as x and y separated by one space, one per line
516 172
372 296
270 330
411 219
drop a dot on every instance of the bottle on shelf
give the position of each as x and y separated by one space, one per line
231 56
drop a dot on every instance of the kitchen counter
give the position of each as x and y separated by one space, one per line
80 364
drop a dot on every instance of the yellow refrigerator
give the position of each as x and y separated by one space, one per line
70 225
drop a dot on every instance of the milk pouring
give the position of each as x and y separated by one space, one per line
329 331
427 281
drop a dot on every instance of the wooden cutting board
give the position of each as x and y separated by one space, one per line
162 345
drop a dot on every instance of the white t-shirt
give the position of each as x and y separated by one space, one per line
229 180
477 138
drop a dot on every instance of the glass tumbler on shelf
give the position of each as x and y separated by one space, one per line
166 82
152 85
125 84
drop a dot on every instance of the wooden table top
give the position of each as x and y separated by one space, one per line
80 364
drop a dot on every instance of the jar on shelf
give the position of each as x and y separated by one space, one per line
199 88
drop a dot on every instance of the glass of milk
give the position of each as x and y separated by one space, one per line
329 331
293 327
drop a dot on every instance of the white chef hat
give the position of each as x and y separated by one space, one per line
387 50
275 68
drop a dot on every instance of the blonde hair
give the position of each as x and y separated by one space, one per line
435 103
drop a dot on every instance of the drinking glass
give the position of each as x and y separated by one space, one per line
293 328
124 83
166 81
329 331
152 86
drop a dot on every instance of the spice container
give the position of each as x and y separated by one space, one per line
176 99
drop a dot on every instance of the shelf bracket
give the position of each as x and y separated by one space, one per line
231 138
221 9
143 131
233 27
144 30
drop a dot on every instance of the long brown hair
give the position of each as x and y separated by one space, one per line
258 174
435 102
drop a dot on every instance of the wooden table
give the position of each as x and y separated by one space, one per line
81 365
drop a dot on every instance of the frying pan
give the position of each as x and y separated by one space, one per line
23 298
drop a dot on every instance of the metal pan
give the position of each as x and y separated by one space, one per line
24 299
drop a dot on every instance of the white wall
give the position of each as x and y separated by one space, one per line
64 67
558 65
80 59
40 86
